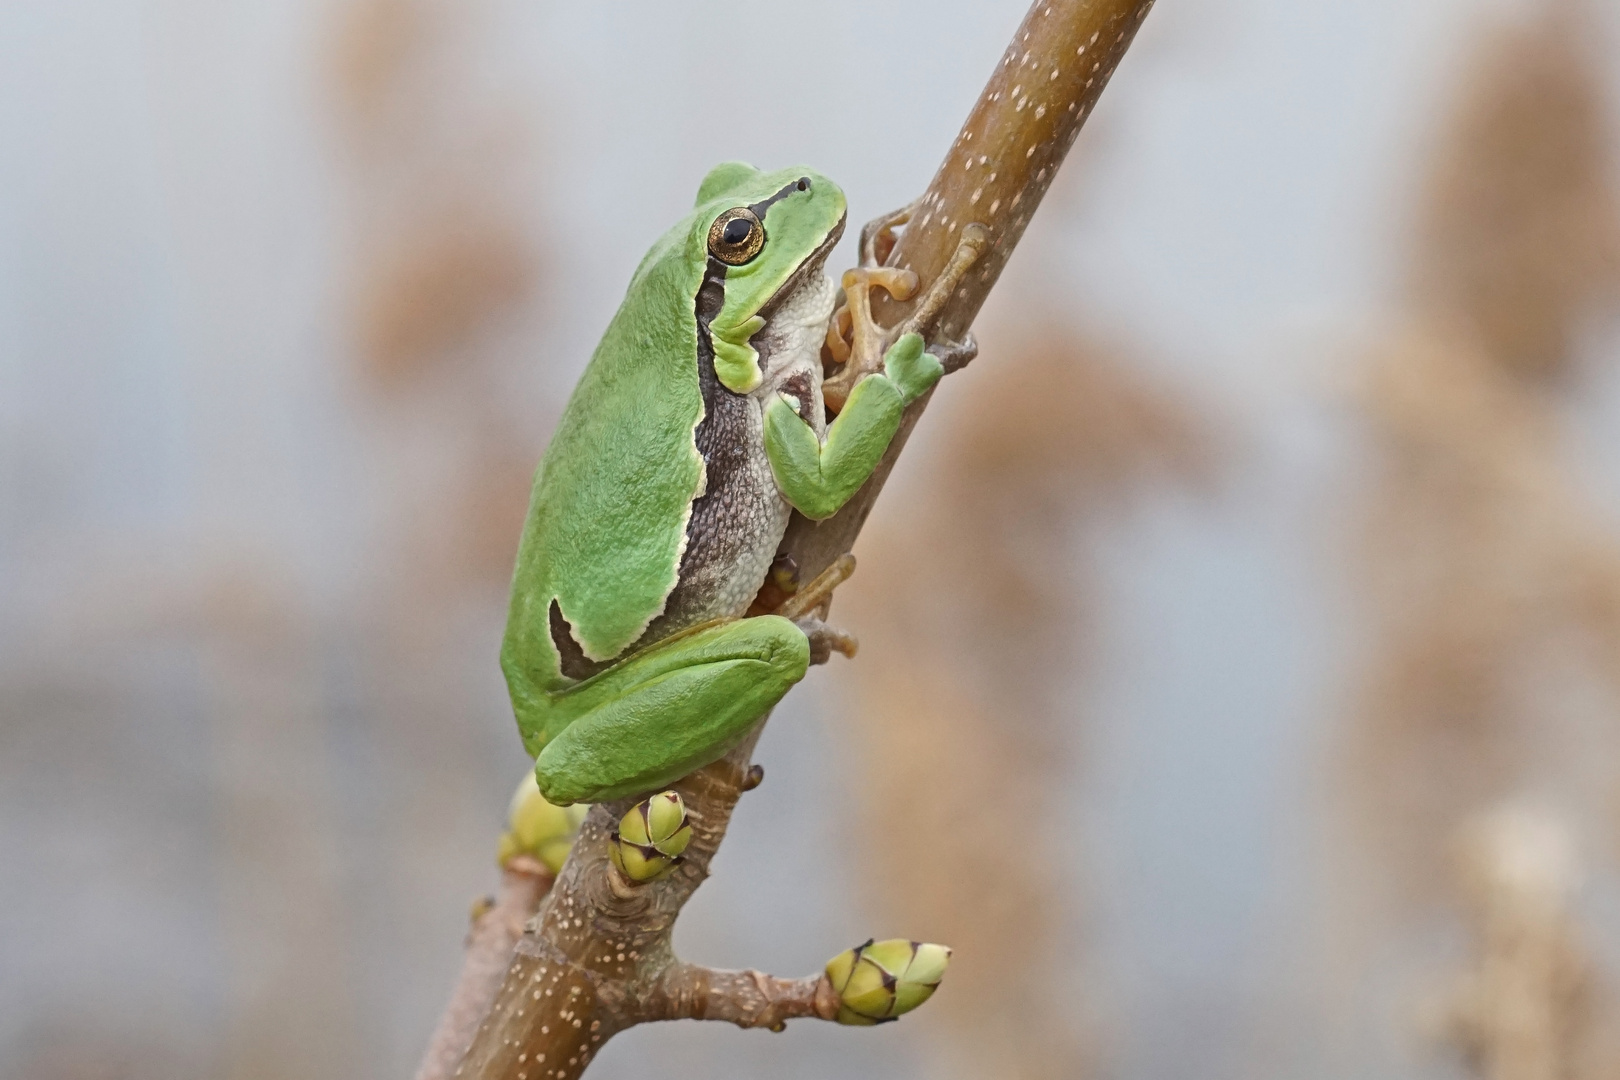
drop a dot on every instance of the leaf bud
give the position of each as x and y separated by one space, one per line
880 981
538 829
651 837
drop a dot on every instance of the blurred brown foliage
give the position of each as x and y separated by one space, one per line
1519 1014
975 610
440 259
442 244
1491 581
1518 234
1481 548
445 263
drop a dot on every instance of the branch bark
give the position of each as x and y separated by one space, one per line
597 959
996 173
524 883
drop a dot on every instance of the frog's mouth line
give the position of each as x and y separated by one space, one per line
810 266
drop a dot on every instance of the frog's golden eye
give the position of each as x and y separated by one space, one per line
736 236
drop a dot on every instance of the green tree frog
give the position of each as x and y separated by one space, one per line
696 429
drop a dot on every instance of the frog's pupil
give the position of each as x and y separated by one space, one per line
737 230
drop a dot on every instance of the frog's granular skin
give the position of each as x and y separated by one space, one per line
738 521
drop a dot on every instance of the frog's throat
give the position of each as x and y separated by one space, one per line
736 362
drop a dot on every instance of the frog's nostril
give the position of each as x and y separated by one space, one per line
804 183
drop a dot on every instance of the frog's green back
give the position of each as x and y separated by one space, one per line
611 497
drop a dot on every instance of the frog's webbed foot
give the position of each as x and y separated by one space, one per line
857 341
877 235
826 640
813 598
974 243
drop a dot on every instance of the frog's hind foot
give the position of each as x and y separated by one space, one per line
826 640
808 607
817 595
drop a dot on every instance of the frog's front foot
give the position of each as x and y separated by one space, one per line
826 640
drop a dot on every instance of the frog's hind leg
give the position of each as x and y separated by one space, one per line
671 710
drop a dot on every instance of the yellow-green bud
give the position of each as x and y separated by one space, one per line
538 829
650 838
879 981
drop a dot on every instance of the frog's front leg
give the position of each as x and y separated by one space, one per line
668 711
819 477
877 235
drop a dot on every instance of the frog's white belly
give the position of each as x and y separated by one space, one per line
738 522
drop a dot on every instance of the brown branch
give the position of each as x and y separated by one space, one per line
596 961
599 958
995 175
524 883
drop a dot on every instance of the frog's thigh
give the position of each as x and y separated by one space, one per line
672 710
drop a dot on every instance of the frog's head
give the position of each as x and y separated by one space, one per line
763 235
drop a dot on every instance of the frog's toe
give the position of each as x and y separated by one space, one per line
826 640
955 355
877 235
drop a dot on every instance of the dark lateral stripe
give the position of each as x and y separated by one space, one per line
763 205
571 658
711 297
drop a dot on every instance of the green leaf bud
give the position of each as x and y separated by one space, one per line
538 829
880 981
651 837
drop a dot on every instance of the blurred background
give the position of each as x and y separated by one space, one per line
1240 683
